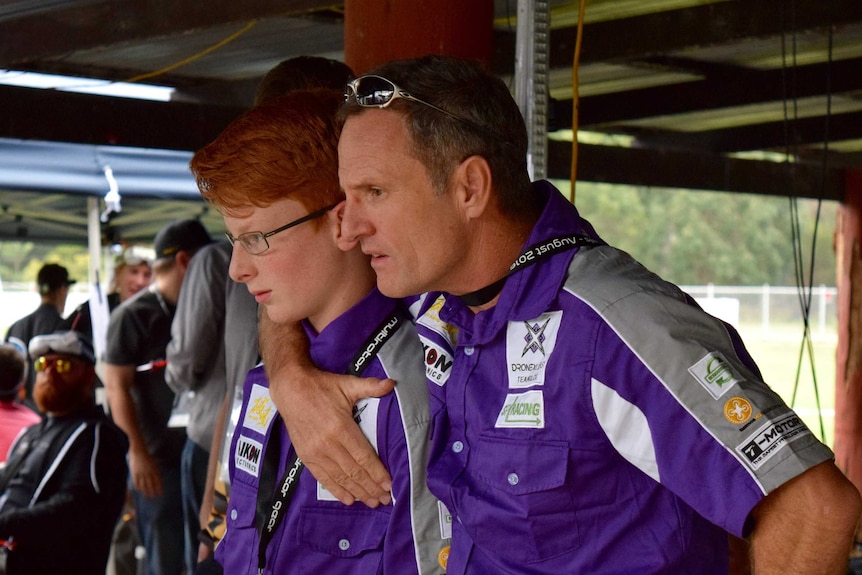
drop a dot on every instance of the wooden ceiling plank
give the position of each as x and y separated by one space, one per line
87 25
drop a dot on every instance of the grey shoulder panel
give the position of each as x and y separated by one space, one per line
402 359
692 354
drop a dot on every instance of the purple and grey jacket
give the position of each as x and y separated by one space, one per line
595 420
319 534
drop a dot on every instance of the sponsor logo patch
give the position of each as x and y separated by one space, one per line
737 410
247 455
714 374
438 362
769 439
431 320
523 410
528 346
259 411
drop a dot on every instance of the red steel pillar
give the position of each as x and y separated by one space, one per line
848 373
376 31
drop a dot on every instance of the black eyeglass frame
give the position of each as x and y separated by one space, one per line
396 93
263 236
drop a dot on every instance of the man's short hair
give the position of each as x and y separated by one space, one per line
302 73
13 368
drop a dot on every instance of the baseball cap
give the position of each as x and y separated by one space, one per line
180 235
51 277
130 257
63 342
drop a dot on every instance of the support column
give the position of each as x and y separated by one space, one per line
376 31
848 372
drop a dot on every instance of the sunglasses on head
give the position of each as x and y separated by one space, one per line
372 91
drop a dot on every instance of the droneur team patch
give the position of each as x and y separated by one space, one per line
247 455
523 410
769 439
529 344
259 411
715 374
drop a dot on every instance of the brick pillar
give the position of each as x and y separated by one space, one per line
376 31
848 373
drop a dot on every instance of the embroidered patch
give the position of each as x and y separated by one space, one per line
259 411
737 410
715 374
524 410
247 455
769 439
431 320
438 362
528 346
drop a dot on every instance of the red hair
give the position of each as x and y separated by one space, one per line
285 148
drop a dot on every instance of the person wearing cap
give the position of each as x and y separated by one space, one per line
132 273
13 415
141 402
63 487
53 283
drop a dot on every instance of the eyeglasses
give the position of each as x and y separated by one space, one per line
59 364
255 243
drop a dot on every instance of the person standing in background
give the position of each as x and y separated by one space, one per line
53 283
132 273
141 402
196 364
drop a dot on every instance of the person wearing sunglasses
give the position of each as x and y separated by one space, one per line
272 174
64 484
588 417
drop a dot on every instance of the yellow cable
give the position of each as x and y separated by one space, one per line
194 57
575 96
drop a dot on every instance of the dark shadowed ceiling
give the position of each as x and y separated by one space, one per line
674 93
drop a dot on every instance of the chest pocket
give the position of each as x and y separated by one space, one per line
342 540
241 537
520 504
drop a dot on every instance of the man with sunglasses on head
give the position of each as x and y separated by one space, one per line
588 417
64 485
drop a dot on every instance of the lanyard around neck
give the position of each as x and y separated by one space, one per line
270 510
530 256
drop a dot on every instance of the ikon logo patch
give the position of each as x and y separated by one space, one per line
247 455
438 363
714 374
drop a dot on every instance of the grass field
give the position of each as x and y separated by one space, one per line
777 354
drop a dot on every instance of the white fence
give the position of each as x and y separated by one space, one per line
769 307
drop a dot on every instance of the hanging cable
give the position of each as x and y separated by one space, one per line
805 285
194 57
576 97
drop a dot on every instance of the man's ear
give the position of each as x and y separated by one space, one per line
183 257
473 182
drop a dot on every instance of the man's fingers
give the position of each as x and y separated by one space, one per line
356 388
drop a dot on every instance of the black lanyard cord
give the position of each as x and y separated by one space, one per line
528 257
270 511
